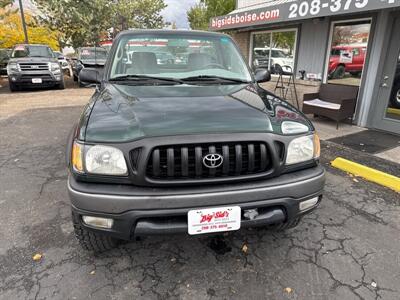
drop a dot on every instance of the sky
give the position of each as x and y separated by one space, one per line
174 12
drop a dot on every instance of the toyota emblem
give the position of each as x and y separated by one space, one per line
213 160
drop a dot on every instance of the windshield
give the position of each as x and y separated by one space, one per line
178 56
278 53
93 53
32 51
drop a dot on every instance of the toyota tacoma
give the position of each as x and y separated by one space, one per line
192 148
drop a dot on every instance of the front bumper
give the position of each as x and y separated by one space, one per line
24 78
145 211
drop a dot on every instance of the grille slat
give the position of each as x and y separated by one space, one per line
170 162
156 162
238 163
225 154
180 162
263 154
184 161
250 149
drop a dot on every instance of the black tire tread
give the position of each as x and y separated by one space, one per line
288 224
92 241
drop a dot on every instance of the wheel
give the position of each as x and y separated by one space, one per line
13 87
339 72
92 241
287 225
395 97
61 85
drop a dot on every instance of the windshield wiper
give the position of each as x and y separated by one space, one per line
134 78
212 78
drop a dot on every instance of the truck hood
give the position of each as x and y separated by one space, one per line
120 113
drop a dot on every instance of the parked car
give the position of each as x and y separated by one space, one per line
94 57
4 58
344 59
267 58
33 66
63 62
395 97
197 149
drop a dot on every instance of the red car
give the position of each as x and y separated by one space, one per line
344 59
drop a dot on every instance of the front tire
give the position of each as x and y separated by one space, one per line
92 241
395 97
339 72
61 85
13 87
287 225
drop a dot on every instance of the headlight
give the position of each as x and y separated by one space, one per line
303 149
12 68
290 127
105 160
54 68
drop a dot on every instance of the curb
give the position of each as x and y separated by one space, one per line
367 173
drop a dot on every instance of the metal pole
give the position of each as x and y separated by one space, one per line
23 21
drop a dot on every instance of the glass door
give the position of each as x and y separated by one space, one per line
387 115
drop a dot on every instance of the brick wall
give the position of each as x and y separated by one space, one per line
242 39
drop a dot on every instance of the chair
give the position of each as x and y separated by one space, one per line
334 101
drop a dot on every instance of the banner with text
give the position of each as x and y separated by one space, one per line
298 10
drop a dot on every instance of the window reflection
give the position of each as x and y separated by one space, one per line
393 109
348 52
272 50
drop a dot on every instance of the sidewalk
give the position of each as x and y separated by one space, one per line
379 144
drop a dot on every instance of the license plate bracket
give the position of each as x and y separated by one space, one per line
216 219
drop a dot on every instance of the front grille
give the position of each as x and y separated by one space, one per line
181 162
33 66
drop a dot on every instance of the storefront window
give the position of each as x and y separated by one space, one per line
274 50
393 109
348 52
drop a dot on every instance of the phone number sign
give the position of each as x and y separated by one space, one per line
297 10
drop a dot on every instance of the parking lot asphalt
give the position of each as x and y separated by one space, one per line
347 249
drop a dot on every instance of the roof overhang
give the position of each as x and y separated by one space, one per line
292 10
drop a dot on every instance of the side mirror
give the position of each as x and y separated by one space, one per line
262 75
90 75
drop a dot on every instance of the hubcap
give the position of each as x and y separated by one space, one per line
398 96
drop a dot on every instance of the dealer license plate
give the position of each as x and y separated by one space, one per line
36 80
215 219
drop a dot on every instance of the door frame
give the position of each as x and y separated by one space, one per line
379 119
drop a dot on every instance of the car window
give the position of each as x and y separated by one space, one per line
32 51
93 53
178 56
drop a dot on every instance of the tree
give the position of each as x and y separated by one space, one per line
199 15
11 31
86 22
140 13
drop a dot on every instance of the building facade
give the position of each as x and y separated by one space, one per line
348 42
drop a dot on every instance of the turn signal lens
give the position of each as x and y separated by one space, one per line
317 146
77 157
